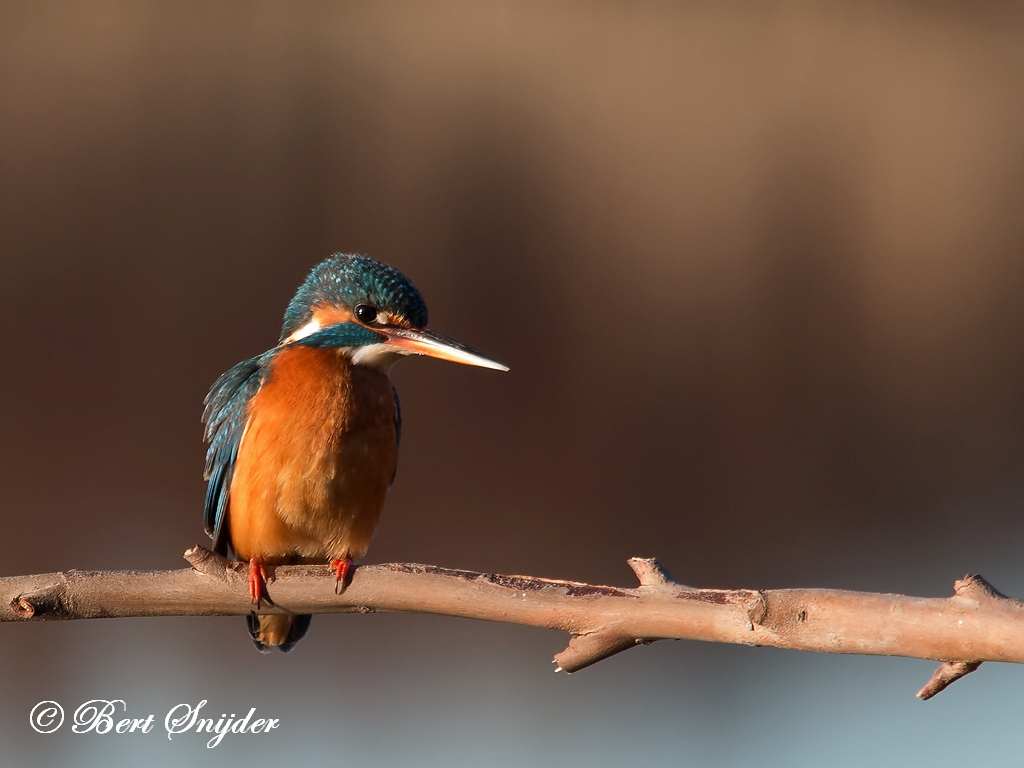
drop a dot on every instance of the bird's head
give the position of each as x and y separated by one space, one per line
372 312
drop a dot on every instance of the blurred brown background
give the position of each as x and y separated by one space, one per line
756 269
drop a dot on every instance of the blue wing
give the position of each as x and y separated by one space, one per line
225 416
398 431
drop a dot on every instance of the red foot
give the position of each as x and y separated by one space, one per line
257 582
341 567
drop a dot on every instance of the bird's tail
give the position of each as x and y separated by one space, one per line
277 631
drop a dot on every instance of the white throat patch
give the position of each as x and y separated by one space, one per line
379 356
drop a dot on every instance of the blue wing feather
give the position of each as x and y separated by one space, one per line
398 431
225 417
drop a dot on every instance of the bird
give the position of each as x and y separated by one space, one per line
303 438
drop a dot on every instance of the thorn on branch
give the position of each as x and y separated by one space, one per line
976 588
972 587
651 573
585 650
207 562
946 675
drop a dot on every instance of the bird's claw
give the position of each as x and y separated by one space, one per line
257 582
342 567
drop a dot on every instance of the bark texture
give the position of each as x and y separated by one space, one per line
976 624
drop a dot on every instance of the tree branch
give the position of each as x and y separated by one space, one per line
976 624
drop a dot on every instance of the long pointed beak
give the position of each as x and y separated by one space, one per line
430 343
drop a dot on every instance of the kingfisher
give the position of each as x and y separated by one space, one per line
303 439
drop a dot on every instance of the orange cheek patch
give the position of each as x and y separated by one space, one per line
328 314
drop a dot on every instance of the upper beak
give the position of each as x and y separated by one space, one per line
428 342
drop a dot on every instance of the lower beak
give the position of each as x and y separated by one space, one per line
435 345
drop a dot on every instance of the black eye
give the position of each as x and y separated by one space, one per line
365 313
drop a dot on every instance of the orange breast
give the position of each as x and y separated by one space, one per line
315 461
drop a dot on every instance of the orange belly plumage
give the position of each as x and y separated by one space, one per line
315 461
